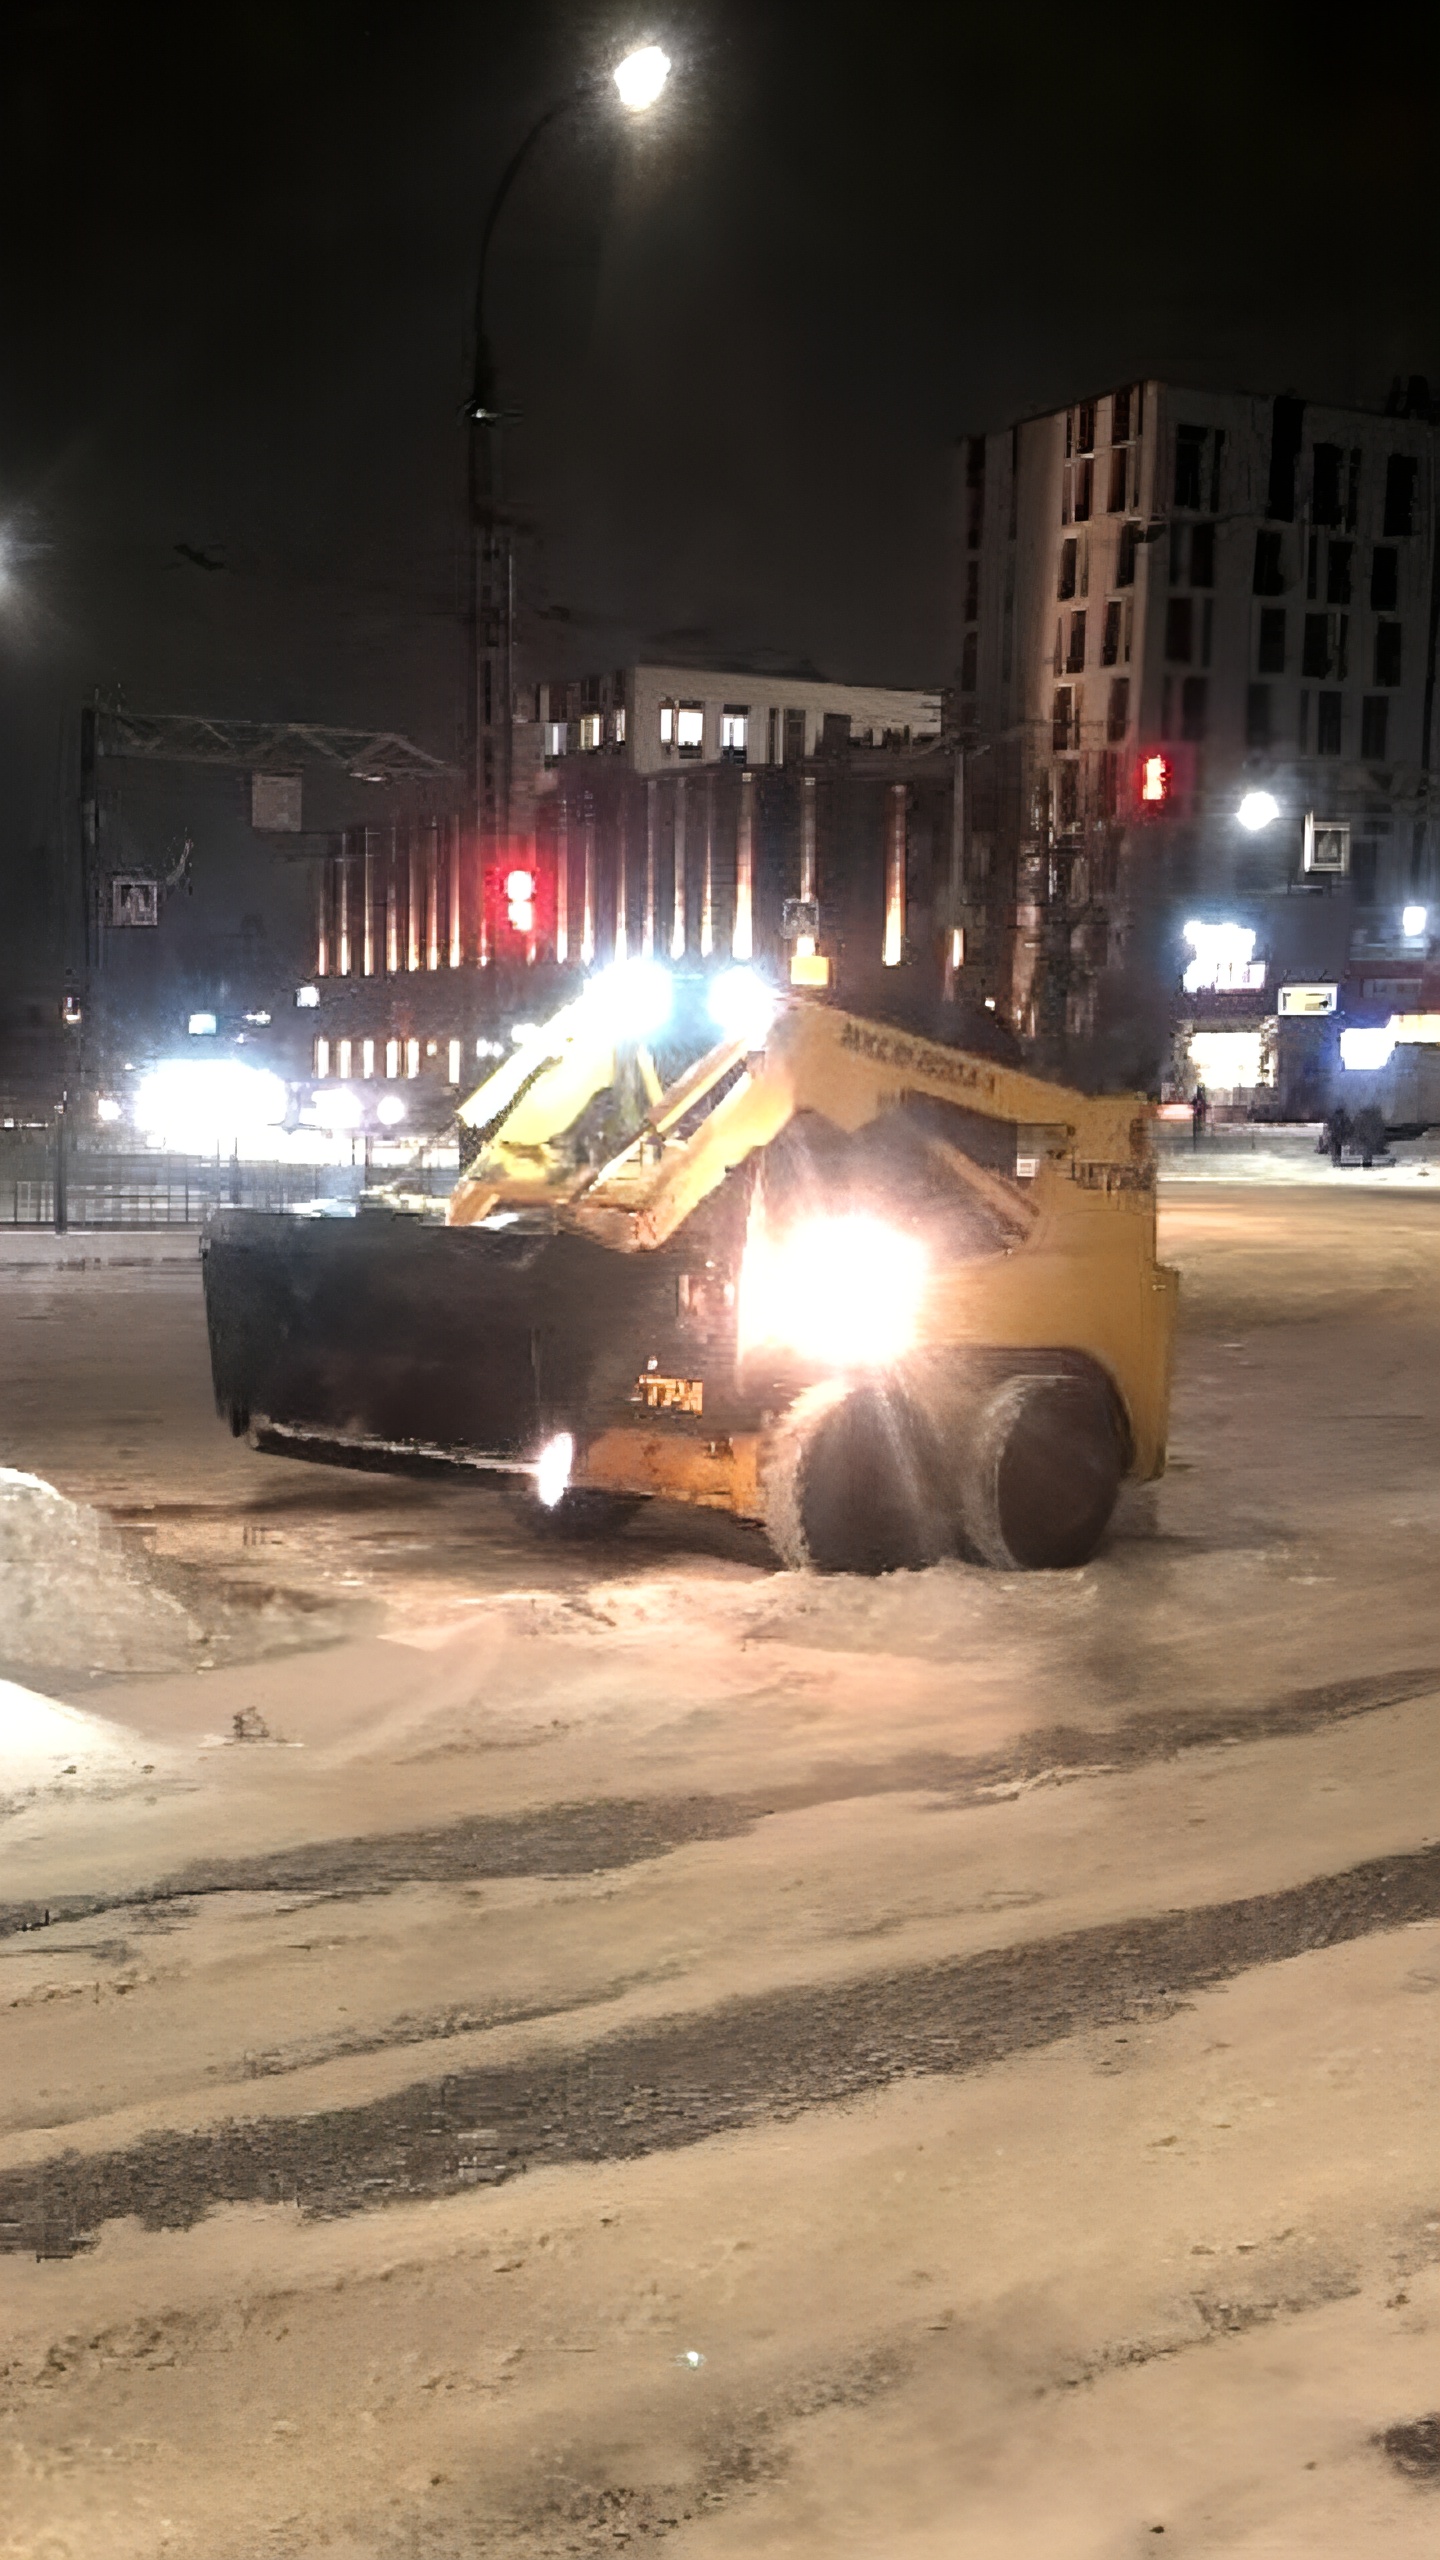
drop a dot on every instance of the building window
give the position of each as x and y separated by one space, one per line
392 1059
617 724
1118 716
1327 723
1194 706
1189 449
1257 715
1207 621
1269 578
1384 581
592 731
1180 629
690 727
1337 572
1119 474
969 654
1067 798
412 1057
1062 717
1084 490
734 731
1400 475
1202 555
322 1057
1217 453
1312 566
1325 484
1387 652
667 724
1120 417
1085 427
1315 657
1075 658
972 590
1374 727
1270 654
555 737
1066 586
1167 707
1177 554
1125 550
1110 635
974 491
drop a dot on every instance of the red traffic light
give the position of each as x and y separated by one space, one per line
1156 776
519 906
1162 782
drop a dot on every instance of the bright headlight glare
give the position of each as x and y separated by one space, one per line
552 1468
843 1293
200 1103
743 1006
632 998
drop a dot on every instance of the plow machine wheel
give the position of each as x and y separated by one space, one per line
850 1483
1039 1473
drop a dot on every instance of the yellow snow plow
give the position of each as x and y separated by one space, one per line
886 1298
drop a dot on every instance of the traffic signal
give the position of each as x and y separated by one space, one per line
1162 782
519 906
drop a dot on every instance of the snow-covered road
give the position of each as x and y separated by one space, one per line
530 2051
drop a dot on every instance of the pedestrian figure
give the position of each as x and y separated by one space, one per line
1337 1130
1199 1114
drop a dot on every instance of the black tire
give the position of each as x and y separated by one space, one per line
1039 1473
579 1514
850 1483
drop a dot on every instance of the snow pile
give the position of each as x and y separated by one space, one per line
43 1744
72 1597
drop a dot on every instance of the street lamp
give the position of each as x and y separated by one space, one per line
638 80
1258 809
1413 921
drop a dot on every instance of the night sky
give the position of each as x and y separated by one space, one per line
738 342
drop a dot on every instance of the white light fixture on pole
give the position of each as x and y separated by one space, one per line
1258 809
641 77
1413 921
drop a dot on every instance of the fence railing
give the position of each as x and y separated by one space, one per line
109 1189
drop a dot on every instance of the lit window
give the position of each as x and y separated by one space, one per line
412 1057
734 730
452 1062
690 728
307 996
322 1058
667 724
592 731
367 1058
343 1049
555 734
617 724
392 1059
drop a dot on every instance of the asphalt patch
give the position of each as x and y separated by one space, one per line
1414 2448
608 1832
744 2063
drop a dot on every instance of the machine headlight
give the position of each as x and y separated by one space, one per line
841 1292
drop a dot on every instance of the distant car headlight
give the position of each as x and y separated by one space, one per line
842 1292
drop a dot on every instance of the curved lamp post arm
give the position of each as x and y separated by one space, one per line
482 391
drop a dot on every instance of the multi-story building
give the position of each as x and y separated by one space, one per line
693 815
1195 683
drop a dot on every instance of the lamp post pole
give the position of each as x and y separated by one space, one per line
490 709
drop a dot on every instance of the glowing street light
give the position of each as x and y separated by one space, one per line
1258 809
1413 921
641 77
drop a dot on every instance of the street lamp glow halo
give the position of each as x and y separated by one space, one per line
641 77
1258 809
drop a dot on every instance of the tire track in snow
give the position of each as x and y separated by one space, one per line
744 2063
623 1831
